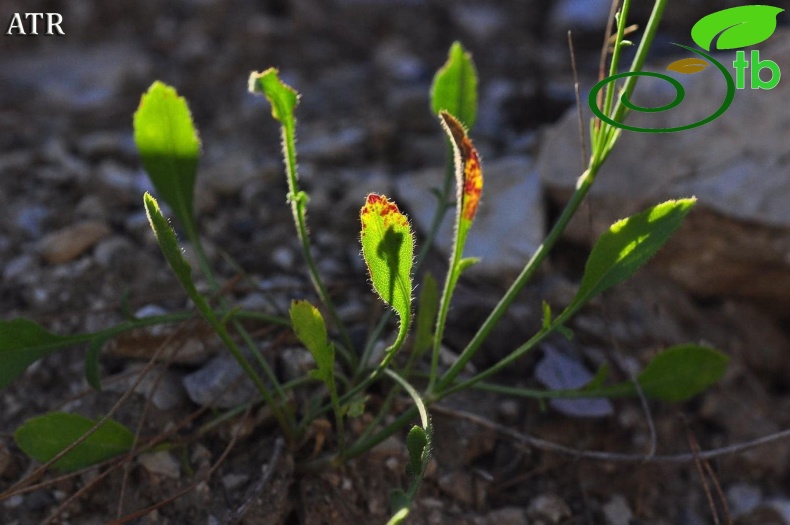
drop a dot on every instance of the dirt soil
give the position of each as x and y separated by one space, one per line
76 252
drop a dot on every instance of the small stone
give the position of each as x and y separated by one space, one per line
390 447
220 383
549 507
72 241
460 485
161 463
234 481
165 392
743 498
617 511
283 257
506 516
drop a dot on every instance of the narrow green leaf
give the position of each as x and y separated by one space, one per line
388 248
169 147
681 372
416 441
736 27
454 86
168 242
309 327
43 437
23 342
427 306
627 246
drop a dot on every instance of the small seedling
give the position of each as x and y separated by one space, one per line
169 148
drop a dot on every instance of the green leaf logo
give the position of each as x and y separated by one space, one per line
736 27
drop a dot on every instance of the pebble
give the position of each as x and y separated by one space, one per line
506 516
549 507
220 383
162 463
617 512
743 498
70 242
164 391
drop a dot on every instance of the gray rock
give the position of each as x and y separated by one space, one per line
743 498
220 383
560 370
510 222
165 392
549 507
736 240
161 463
617 512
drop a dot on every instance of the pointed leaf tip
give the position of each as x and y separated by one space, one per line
454 87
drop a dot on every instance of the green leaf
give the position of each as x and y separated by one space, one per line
309 326
92 373
736 27
44 437
454 87
168 242
400 503
169 147
416 441
388 248
428 305
23 342
281 96
627 246
681 372
356 407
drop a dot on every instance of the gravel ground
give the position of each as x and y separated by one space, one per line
76 249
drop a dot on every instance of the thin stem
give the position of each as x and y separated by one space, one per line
526 274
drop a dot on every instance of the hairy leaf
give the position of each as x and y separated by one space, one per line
469 175
388 248
43 437
416 441
168 242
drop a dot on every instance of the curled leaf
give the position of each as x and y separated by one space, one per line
468 170
688 66
388 248
736 27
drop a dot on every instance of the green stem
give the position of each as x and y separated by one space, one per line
298 200
585 182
